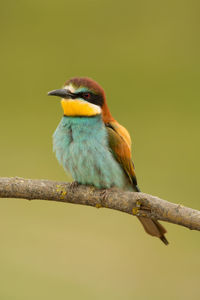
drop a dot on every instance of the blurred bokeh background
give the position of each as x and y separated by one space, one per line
146 56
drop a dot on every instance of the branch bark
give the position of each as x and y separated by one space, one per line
137 204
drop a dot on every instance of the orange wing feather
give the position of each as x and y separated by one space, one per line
120 144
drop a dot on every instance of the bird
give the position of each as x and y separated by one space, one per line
92 146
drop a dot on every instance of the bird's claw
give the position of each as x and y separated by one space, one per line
74 185
104 194
104 197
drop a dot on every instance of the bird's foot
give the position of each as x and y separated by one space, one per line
104 194
74 185
103 198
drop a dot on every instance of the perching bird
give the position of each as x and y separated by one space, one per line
91 145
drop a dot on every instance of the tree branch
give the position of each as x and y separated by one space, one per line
138 204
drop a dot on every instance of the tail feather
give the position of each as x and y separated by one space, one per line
164 240
154 228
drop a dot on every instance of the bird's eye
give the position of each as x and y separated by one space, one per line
87 96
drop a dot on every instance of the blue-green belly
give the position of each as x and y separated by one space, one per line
81 147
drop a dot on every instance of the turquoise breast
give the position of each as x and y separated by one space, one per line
81 147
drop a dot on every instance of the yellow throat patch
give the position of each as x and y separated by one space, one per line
78 107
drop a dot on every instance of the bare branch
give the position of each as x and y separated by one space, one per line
138 204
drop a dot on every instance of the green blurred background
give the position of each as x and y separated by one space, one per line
146 56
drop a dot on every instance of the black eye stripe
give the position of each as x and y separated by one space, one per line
94 99
81 94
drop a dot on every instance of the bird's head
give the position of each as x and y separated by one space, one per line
83 97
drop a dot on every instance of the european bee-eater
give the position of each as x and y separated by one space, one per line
91 145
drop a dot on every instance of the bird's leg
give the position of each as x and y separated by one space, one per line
74 185
103 196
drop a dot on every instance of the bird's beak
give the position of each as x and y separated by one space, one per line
63 93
